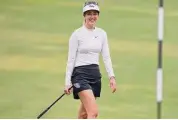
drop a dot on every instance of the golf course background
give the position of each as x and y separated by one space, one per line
34 38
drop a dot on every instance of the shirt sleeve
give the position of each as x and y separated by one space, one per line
72 52
106 56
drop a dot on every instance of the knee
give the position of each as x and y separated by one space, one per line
82 115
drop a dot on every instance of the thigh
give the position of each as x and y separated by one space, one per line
88 100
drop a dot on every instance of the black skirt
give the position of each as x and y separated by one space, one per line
86 77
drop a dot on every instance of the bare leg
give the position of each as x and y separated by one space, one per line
82 112
89 103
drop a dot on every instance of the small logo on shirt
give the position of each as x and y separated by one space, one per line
95 37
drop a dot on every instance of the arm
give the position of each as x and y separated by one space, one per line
106 57
108 64
72 51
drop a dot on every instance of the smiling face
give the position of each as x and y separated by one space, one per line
91 18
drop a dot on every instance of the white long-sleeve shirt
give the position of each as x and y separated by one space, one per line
85 46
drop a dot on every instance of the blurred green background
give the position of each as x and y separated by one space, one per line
33 52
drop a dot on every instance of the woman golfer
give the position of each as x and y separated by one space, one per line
82 71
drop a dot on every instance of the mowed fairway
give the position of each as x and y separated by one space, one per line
33 52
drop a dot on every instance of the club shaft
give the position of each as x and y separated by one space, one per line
52 104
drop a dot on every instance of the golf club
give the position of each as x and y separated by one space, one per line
39 116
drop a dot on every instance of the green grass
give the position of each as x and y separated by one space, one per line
33 52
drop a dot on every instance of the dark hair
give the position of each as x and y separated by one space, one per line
87 11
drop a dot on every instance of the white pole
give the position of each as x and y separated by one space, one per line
159 70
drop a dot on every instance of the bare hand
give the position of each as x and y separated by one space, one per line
112 83
67 90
